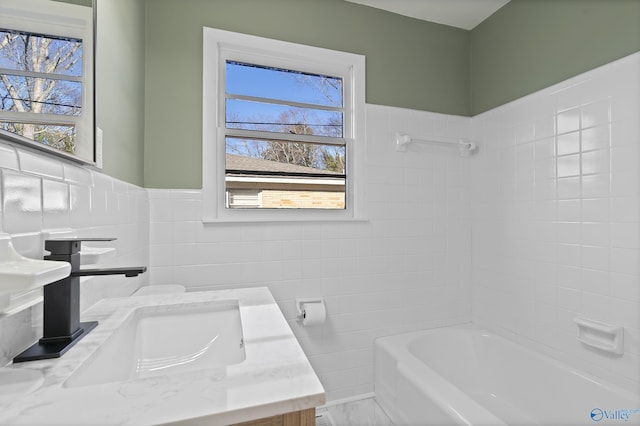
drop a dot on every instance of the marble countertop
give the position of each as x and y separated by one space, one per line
275 377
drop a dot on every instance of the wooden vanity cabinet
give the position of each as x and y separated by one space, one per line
296 418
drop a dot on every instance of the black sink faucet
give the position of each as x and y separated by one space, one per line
62 327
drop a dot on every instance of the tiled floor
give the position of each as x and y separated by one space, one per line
358 413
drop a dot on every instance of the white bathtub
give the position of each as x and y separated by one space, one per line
464 375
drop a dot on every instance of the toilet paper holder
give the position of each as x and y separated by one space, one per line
303 301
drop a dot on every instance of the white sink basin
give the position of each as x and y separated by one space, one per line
168 339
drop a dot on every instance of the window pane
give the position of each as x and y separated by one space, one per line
282 174
60 137
267 117
313 158
44 78
284 85
38 95
39 53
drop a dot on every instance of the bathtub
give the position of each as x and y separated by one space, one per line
464 375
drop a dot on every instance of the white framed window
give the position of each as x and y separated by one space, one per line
283 130
46 76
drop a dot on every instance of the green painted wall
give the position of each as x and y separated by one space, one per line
120 87
410 63
528 45
525 46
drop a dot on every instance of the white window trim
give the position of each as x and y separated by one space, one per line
219 45
60 19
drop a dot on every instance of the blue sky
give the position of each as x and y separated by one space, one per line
270 83
280 84
242 79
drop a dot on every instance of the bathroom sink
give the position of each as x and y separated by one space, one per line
14 383
168 339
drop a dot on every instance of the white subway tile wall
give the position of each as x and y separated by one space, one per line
407 268
40 194
556 231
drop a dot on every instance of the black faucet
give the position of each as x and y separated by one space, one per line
62 326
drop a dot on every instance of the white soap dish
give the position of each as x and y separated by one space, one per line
20 274
599 335
96 255
89 255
